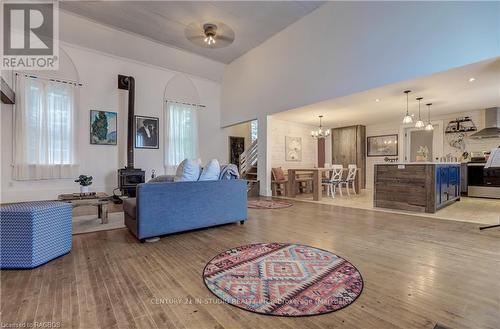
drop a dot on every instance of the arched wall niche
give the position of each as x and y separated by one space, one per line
181 88
67 69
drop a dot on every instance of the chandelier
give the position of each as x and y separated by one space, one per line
320 132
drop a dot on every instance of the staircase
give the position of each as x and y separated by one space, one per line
248 169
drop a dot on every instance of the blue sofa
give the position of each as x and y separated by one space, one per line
170 207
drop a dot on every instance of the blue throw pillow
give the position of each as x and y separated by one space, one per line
211 171
188 171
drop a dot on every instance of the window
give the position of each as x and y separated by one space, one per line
44 129
181 137
254 129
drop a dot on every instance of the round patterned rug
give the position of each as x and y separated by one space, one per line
268 204
283 279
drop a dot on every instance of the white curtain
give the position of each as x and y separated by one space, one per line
45 129
181 134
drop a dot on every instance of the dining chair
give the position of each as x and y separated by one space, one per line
327 173
304 183
334 180
352 170
278 181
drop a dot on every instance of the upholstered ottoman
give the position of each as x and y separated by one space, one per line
33 233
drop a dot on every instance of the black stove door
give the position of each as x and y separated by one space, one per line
491 177
475 175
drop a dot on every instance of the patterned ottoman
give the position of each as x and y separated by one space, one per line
33 233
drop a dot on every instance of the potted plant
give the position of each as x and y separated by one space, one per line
84 181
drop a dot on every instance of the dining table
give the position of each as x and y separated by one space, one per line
316 183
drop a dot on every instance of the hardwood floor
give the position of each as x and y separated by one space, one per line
417 272
473 210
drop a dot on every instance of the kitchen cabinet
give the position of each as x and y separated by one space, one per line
348 147
447 184
463 179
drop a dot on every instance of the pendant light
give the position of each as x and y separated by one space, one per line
407 119
419 123
429 123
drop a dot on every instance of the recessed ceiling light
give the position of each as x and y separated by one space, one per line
377 100
472 79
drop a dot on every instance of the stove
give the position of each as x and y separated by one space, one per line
129 177
483 182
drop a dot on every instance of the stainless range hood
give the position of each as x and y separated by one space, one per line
492 119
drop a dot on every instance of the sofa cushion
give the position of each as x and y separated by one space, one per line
188 170
211 170
129 206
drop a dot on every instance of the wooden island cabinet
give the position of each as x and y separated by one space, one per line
420 187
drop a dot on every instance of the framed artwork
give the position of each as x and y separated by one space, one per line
103 127
293 148
146 132
236 147
384 145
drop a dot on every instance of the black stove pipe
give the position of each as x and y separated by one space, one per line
128 83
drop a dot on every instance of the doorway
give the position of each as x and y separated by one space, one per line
240 137
423 145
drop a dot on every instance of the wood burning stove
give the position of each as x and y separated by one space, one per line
129 177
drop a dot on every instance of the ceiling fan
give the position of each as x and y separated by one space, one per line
210 35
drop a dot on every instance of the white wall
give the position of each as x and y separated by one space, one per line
98 73
472 145
347 47
279 130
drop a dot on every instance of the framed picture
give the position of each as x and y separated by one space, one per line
146 132
236 147
293 148
379 146
103 127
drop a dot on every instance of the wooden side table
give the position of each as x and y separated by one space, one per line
99 200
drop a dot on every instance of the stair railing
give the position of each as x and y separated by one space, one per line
248 158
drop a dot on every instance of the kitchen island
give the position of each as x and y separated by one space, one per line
416 186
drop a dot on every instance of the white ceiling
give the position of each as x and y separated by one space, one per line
164 21
449 92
